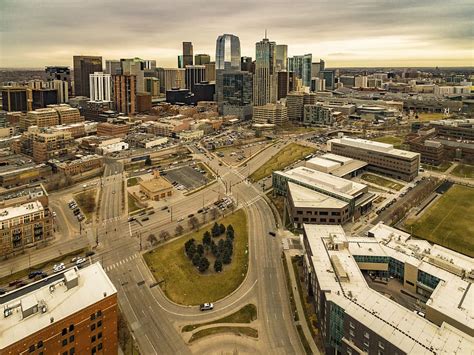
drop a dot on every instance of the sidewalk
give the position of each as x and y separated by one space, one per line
35 256
299 306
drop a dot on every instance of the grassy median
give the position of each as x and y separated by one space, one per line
448 221
180 280
247 331
286 156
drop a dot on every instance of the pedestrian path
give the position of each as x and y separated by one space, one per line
121 262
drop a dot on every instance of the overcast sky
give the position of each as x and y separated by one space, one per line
35 33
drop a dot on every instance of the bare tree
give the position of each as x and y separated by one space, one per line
193 222
214 213
164 235
152 239
179 230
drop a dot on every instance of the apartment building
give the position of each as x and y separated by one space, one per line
18 169
341 273
67 114
112 130
276 114
80 166
381 157
74 312
24 226
43 117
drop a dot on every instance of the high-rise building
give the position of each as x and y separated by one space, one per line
152 86
301 66
204 91
149 65
266 81
136 67
235 96
330 77
60 73
210 71
281 57
83 67
72 312
180 61
316 115
187 54
62 88
228 52
276 114
194 74
125 93
202 59
348 81
283 84
101 87
318 84
44 97
16 99
316 67
295 101
360 81
171 78
113 67
247 64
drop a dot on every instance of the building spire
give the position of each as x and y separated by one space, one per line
265 33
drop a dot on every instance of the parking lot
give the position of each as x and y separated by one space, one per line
187 176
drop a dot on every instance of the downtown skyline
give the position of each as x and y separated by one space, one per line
362 34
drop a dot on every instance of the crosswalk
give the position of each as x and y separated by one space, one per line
121 262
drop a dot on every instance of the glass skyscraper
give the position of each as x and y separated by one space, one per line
228 52
265 83
301 66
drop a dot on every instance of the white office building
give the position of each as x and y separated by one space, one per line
100 86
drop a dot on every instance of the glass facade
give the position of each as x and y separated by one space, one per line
396 268
301 66
228 52
336 326
427 279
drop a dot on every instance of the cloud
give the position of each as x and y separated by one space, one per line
35 33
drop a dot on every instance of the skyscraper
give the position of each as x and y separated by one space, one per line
194 74
202 59
125 93
135 66
235 97
281 57
316 68
228 52
83 67
330 77
247 64
265 82
187 54
101 87
301 66
113 67
60 73
171 78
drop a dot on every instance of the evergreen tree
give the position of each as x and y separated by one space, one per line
206 238
196 259
203 264
215 230
218 265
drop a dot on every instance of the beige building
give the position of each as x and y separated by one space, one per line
43 117
67 114
157 188
79 166
276 114
295 102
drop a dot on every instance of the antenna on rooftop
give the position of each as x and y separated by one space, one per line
265 33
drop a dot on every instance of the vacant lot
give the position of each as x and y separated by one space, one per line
464 171
431 116
449 221
377 180
183 284
287 156
86 202
396 141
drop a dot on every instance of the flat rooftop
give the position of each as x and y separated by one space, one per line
341 279
306 198
156 184
59 301
346 188
374 146
25 209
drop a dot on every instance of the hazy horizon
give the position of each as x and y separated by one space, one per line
357 34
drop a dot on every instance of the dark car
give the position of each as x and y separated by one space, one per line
21 284
14 283
164 208
145 219
191 215
2 291
90 253
273 234
35 273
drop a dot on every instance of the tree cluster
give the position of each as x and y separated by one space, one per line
222 250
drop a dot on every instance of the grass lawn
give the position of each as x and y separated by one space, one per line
183 284
250 332
286 156
133 204
246 314
377 180
449 221
46 266
86 202
396 141
439 168
464 170
132 181
431 116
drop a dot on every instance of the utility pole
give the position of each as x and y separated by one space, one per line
140 236
96 237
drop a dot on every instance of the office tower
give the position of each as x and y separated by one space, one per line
246 64
201 59
171 78
266 81
228 52
61 87
318 84
16 99
67 114
44 97
316 115
360 81
83 67
301 66
283 78
125 93
316 67
180 62
187 54
204 91
101 87
113 67
295 101
235 96
276 114
60 73
194 74
210 71
135 66
152 86
143 100
72 312
45 117
149 65
281 57
330 77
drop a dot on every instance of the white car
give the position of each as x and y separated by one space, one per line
80 261
206 306
59 267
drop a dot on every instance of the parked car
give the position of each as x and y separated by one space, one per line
2 291
80 261
164 208
273 234
131 219
206 306
151 212
145 219
14 283
35 273
90 253
191 215
59 267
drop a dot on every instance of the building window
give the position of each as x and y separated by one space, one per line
92 316
99 313
351 332
94 350
71 338
99 347
92 327
64 331
381 345
99 324
72 351
366 335
93 339
32 348
349 351
71 327
40 344
351 325
99 336
366 343
64 342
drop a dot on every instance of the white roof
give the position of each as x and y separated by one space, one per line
374 146
93 286
338 158
25 209
323 163
303 197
